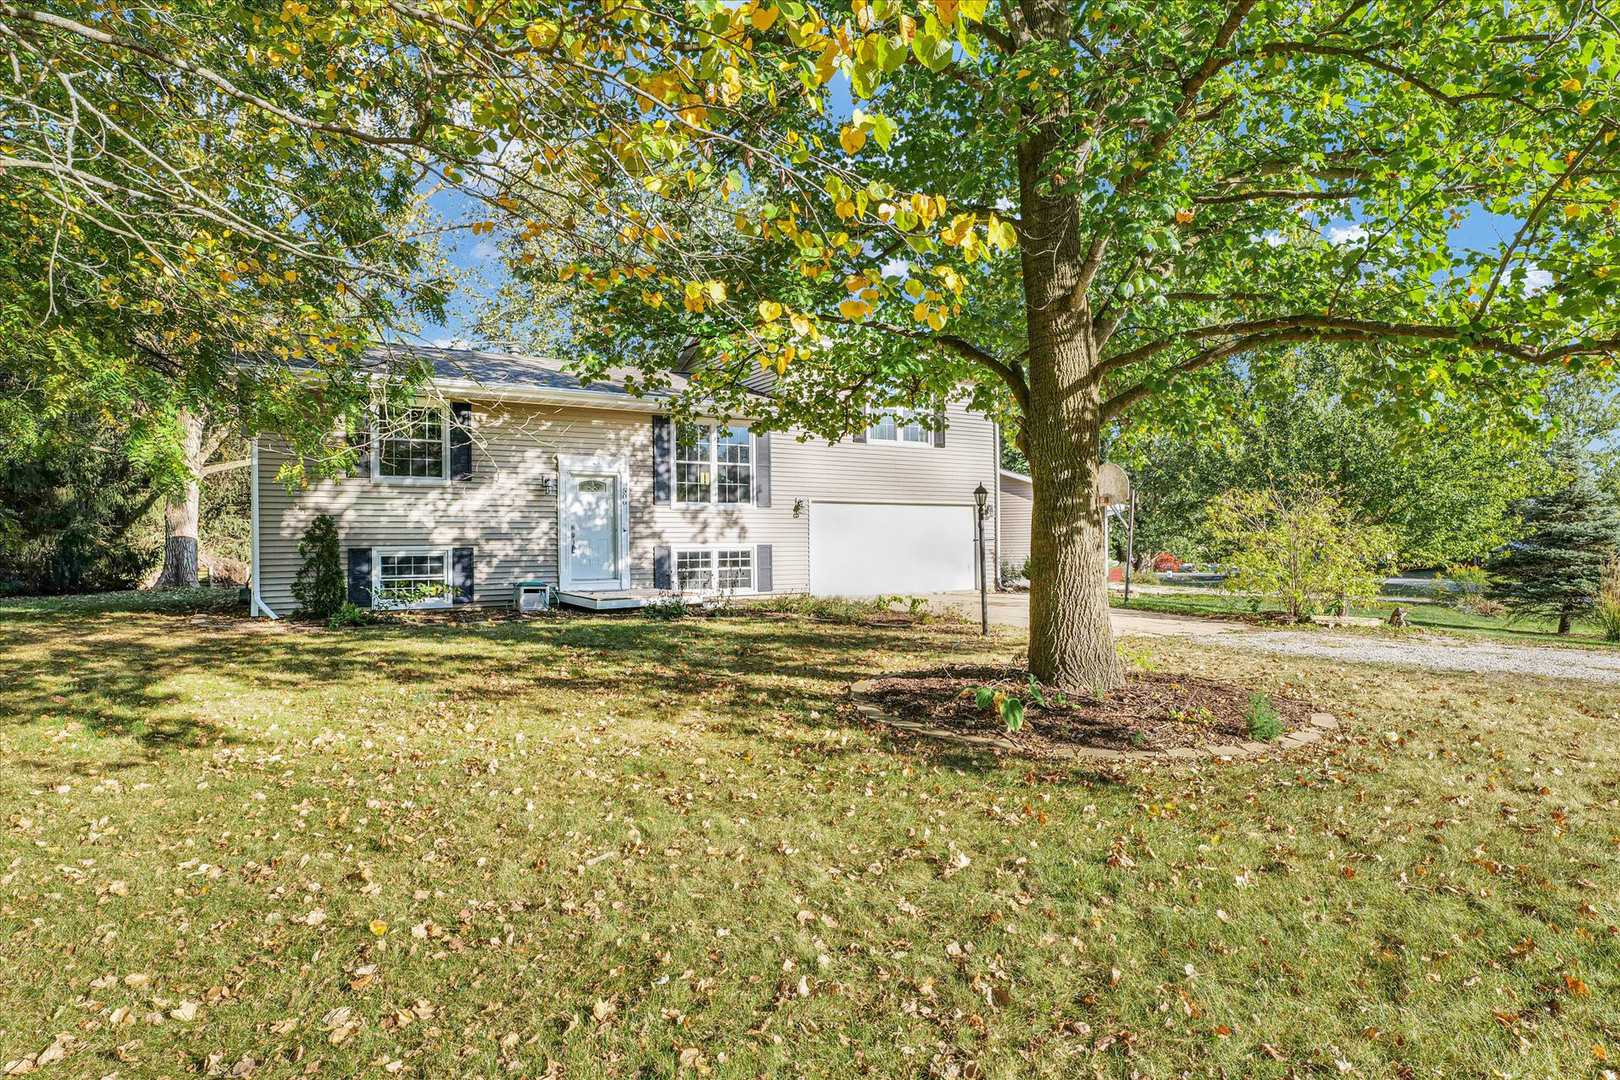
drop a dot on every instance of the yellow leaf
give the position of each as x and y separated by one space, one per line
1572 86
716 291
379 927
946 10
854 309
852 139
763 18
770 310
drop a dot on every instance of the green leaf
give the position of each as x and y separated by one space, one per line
1012 711
932 48
984 697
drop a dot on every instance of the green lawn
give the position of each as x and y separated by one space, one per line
589 847
1429 616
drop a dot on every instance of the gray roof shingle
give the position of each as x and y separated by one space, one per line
515 371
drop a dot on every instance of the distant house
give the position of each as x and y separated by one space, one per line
510 470
1017 508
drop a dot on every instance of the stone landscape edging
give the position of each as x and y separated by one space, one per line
1313 730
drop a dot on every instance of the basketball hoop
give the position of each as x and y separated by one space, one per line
1113 486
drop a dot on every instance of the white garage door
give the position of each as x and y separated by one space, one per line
872 549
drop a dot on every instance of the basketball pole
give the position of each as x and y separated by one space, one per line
1130 545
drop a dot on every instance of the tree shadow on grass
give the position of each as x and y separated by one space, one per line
149 677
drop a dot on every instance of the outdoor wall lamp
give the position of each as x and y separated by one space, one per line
798 507
548 485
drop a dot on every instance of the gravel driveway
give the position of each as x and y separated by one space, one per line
1482 657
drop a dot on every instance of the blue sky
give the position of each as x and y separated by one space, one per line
477 259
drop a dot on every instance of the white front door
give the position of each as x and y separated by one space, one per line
591 515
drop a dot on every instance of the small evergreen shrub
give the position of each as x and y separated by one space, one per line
320 587
1262 720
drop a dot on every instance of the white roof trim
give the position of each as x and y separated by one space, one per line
1017 476
550 395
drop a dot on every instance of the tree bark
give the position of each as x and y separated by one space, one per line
1071 641
1564 622
183 509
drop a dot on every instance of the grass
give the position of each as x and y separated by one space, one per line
1429 616
169 601
596 847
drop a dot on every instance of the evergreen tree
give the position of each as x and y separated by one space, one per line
1555 570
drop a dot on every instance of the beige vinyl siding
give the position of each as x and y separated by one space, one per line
1017 507
503 514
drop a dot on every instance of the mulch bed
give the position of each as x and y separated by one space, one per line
1152 711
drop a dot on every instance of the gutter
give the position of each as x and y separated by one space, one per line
596 399
256 604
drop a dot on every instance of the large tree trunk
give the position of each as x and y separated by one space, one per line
1071 643
183 509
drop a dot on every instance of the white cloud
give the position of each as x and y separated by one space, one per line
485 250
450 343
1536 279
896 268
1341 235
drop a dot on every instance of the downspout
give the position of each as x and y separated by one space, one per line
257 604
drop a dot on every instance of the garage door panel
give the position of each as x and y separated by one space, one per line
868 549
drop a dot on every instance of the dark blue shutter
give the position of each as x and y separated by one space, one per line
939 427
461 575
360 442
663 459
762 469
360 577
461 465
762 568
663 568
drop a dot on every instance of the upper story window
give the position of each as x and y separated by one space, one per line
900 425
413 444
714 463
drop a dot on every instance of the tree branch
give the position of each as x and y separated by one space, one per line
213 78
1011 372
1261 333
